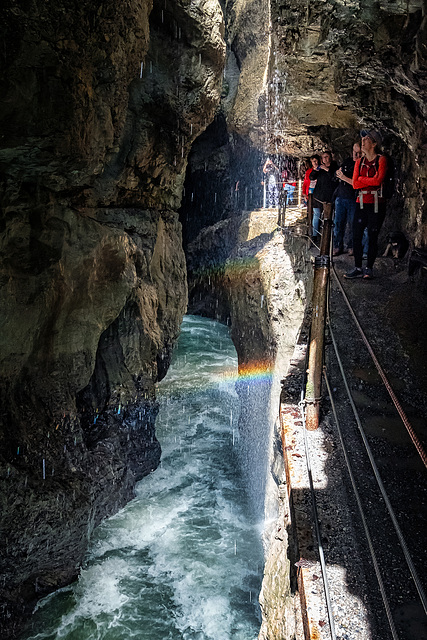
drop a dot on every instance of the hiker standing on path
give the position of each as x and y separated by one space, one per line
345 203
324 189
368 177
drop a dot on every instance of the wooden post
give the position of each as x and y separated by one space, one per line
313 389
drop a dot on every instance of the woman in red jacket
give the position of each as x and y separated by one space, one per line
368 177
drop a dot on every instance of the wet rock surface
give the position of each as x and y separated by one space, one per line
246 273
99 108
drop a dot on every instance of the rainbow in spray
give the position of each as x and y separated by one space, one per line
255 371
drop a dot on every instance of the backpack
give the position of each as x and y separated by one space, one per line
388 187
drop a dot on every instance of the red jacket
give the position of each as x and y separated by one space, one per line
306 183
368 179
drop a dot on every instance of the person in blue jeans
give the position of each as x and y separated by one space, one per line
345 203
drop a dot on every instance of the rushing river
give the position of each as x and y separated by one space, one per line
183 560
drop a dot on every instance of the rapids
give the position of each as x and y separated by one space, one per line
183 560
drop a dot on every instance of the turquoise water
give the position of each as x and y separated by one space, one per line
183 560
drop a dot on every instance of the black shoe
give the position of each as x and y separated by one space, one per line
355 273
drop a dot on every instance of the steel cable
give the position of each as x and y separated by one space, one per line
390 510
316 515
362 516
380 370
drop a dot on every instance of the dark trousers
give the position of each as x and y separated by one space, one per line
366 218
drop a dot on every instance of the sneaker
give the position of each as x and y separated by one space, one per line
368 274
355 273
365 256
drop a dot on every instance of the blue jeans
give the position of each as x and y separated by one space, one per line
344 214
289 188
317 211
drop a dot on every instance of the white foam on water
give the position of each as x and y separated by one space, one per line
182 560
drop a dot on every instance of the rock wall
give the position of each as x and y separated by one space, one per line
301 78
343 66
100 104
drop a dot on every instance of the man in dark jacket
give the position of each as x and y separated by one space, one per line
324 189
345 203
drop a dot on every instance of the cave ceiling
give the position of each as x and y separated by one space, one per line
331 64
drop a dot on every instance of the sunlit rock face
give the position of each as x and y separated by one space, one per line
99 107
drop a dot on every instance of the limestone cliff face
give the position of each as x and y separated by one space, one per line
100 104
323 71
353 65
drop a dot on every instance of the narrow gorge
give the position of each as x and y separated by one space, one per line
133 136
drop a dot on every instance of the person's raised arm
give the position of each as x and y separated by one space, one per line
344 178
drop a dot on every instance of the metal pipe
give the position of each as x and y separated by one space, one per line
326 229
317 337
310 214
